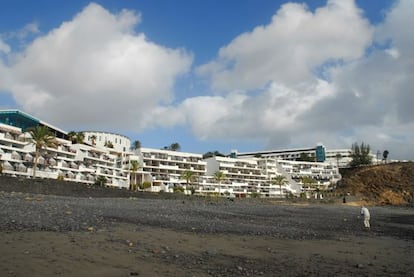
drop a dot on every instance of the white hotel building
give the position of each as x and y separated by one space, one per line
242 177
164 168
73 162
246 175
119 143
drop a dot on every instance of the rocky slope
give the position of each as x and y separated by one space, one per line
384 184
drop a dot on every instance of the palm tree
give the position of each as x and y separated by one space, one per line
80 137
219 177
134 168
188 176
76 137
308 181
93 139
279 180
41 137
72 136
385 155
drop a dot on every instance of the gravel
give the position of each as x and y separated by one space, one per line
51 205
23 211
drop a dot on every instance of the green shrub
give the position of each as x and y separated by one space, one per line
179 189
100 181
145 185
213 194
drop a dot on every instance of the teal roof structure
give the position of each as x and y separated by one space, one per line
25 121
18 119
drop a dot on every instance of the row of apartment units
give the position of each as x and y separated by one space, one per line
86 162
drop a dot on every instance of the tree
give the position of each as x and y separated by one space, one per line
80 137
385 155
137 144
76 137
308 181
219 177
108 144
210 154
175 146
360 155
338 157
145 185
72 136
134 168
279 180
100 181
188 176
41 137
93 139
305 157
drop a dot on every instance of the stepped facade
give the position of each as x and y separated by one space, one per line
109 156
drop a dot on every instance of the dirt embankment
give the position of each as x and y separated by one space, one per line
384 184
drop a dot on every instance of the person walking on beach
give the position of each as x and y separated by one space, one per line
365 213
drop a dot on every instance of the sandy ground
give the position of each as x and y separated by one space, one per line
130 250
46 235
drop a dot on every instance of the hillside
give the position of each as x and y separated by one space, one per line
385 184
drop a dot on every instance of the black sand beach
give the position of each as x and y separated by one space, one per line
50 229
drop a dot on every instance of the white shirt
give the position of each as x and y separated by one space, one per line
365 212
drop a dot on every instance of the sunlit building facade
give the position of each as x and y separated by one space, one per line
246 174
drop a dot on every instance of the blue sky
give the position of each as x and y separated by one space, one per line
215 75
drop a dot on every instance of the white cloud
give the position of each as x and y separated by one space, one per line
306 77
95 72
393 52
4 47
239 116
367 97
294 44
29 29
277 68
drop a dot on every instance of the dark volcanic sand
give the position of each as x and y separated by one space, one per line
51 228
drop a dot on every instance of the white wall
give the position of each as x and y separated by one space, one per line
121 143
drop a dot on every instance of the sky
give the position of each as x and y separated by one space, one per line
216 75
